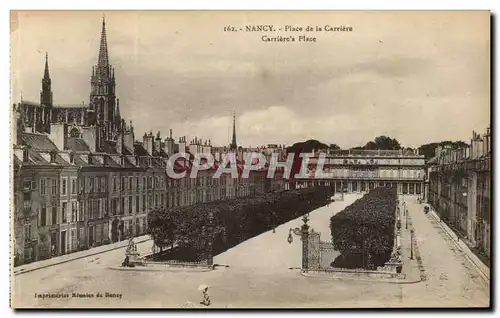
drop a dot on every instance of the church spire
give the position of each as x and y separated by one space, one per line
103 106
46 74
46 98
233 143
103 61
46 92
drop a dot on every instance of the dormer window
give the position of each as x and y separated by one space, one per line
52 157
26 157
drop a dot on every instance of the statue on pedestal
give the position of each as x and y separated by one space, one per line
132 256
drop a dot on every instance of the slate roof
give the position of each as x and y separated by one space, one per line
143 162
35 158
108 146
127 163
79 161
110 162
126 151
97 161
60 161
38 141
139 150
77 144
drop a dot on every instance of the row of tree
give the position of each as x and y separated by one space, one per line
216 226
364 231
379 143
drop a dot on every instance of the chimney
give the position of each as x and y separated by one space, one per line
182 145
148 143
158 142
128 140
58 135
89 136
169 146
485 144
207 148
488 142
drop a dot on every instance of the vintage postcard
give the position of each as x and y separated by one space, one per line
250 159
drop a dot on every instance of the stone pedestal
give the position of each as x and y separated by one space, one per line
134 258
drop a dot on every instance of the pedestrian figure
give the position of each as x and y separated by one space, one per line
206 298
274 218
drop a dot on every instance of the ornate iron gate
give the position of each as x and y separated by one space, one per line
320 254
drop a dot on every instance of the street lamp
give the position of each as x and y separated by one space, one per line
210 238
406 213
303 232
411 243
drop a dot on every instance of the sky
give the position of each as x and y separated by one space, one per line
415 76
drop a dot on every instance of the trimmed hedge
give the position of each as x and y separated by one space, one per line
234 220
364 231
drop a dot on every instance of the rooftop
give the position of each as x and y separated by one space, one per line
38 141
374 153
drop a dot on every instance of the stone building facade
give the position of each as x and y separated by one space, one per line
81 179
460 189
359 171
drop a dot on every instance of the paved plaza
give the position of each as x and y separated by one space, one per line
259 275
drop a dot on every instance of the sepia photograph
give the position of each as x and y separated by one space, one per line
250 159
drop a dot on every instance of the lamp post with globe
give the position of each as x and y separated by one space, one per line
303 232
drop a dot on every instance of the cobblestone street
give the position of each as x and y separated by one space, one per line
259 276
451 279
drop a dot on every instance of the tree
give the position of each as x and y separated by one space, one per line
306 146
163 227
365 230
234 220
387 143
429 150
334 147
381 143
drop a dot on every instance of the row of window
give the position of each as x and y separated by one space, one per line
49 186
50 215
99 184
376 161
211 195
138 183
374 173
93 184
130 204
